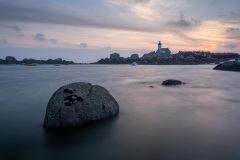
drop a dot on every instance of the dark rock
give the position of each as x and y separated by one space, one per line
134 57
77 103
58 61
114 58
2 61
171 82
68 91
10 60
30 61
149 55
151 86
228 66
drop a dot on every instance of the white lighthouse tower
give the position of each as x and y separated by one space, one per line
159 46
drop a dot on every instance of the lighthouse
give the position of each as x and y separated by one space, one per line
159 46
163 52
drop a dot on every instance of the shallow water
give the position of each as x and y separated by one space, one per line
196 121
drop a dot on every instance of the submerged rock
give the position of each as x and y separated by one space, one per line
228 66
171 82
77 103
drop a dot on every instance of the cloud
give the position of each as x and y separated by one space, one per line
53 41
151 10
185 23
181 23
231 46
84 45
142 1
233 33
4 42
17 13
133 16
39 37
232 16
42 37
14 28
67 44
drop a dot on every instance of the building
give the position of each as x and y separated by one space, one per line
160 53
163 52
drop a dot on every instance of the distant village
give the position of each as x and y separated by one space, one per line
164 56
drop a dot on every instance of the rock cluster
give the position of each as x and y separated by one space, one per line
78 103
180 58
12 60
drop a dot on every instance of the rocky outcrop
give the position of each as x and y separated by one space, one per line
78 103
172 82
150 55
114 58
2 61
228 66
134 57
181 58
10 60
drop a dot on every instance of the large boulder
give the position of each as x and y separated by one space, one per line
172 82
228 66
77 103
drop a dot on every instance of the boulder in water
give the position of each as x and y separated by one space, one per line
172 82
77 103
228 66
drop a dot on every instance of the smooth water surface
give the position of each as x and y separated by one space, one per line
196 121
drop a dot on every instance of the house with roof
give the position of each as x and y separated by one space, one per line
163 52
160 53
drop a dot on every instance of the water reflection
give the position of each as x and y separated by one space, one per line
85 134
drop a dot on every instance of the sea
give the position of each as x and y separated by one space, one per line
196 121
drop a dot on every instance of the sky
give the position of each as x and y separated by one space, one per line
88 30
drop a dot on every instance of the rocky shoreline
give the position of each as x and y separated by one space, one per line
181 58
26 61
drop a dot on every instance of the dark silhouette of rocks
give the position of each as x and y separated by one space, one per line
228 66
134 57
77 103
180 58
12 60
2 61
172 82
